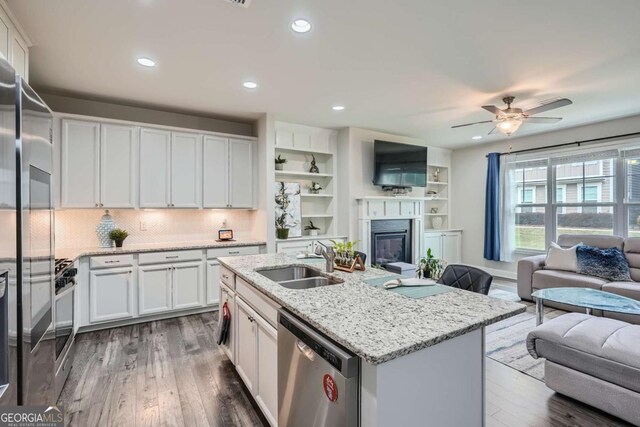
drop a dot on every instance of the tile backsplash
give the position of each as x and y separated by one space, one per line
76 228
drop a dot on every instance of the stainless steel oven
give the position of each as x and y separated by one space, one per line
64 320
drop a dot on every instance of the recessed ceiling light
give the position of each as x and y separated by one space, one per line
146 62
301 26
477 137
250 85
338 107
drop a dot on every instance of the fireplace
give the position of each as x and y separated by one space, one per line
390 241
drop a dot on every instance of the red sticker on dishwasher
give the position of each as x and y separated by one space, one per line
330 388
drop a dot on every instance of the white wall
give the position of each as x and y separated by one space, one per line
356 166
469 169
88 107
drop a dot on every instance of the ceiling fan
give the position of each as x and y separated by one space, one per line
509 119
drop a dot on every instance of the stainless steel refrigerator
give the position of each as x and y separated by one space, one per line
27 338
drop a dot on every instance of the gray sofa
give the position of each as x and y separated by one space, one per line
533 276
594 360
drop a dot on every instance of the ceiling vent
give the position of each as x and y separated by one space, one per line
241 3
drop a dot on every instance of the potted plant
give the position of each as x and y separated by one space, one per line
118 235
314 188
429 267
312 229
282 232
345 253
280 162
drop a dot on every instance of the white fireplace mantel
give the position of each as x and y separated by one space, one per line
383 208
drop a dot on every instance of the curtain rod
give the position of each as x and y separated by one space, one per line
565 144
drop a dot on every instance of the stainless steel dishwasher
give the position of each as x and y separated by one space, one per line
318 382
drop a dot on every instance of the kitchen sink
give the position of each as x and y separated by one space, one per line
298 277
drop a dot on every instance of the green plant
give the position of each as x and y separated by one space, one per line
311 226
280 160
281 221
344 251
429 266
118 234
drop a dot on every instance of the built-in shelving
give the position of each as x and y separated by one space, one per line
317 216
316 195
304 174
304 151
440 200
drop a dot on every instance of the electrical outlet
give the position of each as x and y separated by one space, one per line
143 225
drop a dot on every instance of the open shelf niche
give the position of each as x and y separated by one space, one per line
299 144
437 197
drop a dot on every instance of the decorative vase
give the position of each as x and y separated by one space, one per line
279 166
282 233
313 232
119 243
436 222
104 228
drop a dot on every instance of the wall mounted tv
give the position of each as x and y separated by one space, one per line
399 165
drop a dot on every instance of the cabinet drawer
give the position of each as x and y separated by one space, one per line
232 251
227 277
110 261
261 303
174 256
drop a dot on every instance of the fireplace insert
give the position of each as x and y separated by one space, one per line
390 241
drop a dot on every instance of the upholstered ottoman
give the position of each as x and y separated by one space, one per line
592 359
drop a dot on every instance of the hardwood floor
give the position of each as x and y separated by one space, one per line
168 372
172 373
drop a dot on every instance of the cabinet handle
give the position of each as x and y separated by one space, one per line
224 276
96 205
172 257
234 252
117 261
101 205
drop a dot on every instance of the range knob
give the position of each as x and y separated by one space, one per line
61 282
71 272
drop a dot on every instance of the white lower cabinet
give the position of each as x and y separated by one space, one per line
267 380
187 281
444 245
167 287
154 289
256 358
246 344
111 294
213 282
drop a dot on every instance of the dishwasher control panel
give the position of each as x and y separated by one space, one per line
318 348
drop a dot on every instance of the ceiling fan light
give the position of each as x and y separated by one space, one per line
509 126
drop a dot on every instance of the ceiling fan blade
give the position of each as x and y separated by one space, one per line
494 130
548 106
542 119
493 110
470 124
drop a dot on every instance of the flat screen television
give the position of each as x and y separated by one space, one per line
399 165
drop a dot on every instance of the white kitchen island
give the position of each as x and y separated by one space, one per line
422 360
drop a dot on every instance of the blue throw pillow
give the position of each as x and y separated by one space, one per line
609 264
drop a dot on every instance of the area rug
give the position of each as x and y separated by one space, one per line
506 340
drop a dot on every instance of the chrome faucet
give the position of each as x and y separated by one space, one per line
328 253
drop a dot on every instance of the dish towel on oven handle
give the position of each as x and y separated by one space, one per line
223 324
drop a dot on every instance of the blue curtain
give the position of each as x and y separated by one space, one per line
492 209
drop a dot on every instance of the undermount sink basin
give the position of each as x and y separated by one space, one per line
298 277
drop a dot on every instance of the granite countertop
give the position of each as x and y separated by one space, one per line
75 253
376 324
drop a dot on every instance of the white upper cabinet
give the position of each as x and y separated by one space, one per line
215 170
228 173
98 165
13 47
118 179
80 164
155 179
241 174
185 170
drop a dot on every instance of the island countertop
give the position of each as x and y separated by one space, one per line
376 324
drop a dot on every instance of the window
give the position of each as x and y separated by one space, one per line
583 197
